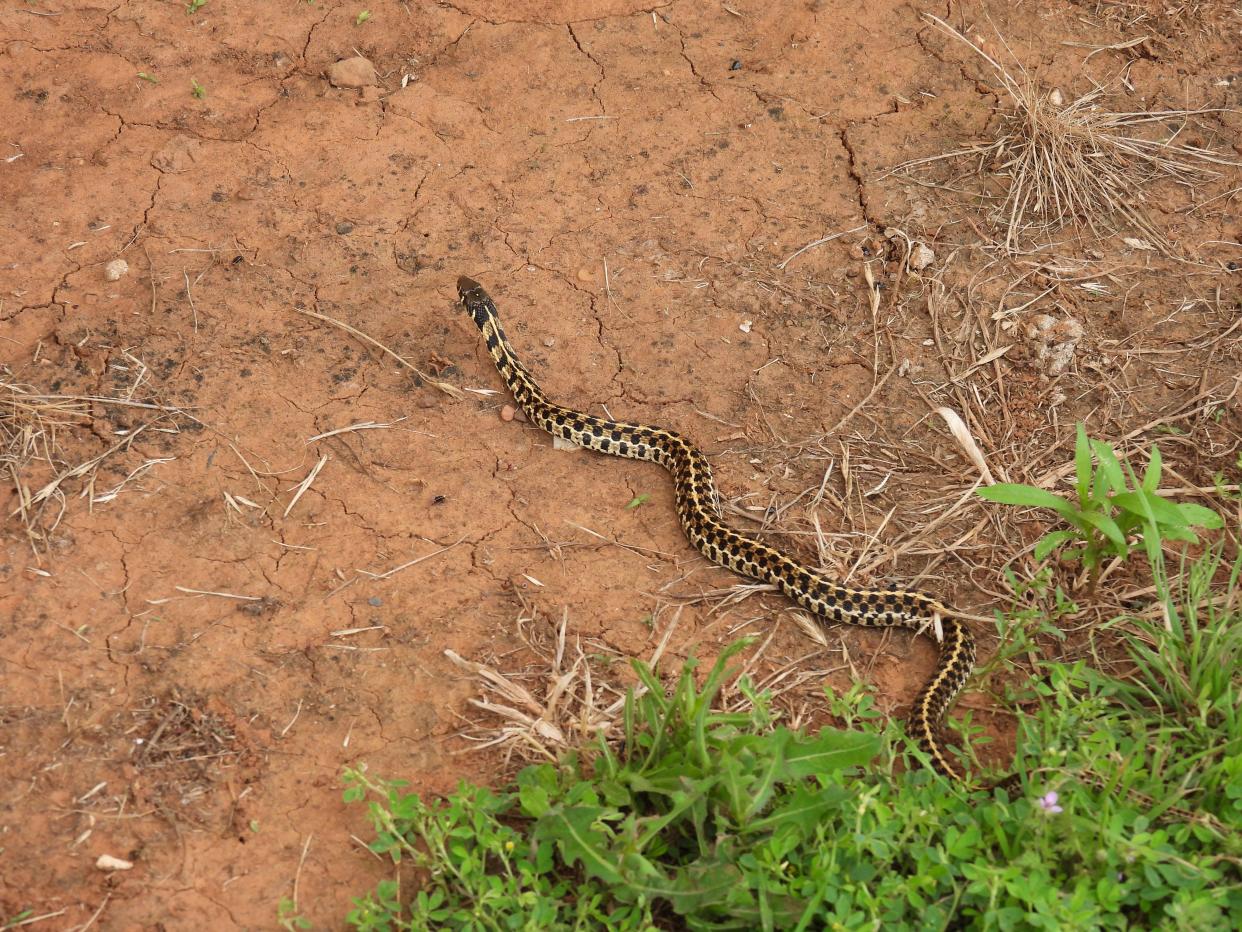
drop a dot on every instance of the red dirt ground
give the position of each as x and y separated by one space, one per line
625 180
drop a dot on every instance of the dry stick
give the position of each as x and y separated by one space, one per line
451 390
189 293
95 915
409 563
819 242
222 595
297 875
305 484
854 410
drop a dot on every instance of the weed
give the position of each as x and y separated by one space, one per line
638 500
197 89
704 819
150 78
194 6
362 17
1108 511
287 916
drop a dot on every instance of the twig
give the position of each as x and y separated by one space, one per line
450 390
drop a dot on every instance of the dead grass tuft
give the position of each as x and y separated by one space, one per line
29 427
563 706
1078 162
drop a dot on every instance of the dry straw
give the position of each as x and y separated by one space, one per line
1077 162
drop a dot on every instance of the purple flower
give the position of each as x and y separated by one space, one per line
1048 802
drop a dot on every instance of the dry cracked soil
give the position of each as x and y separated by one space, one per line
280 529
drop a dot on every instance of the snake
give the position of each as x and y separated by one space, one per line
698 508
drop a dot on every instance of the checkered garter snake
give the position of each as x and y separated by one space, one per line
698 507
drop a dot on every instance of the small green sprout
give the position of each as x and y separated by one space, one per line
362 17
197 89
1108 512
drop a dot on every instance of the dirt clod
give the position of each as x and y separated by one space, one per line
352 72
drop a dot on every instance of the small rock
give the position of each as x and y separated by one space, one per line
115 270
106 862
921 256
1056 98
508 413
585 274
352 72
745 326
375 601
344 227
1052 342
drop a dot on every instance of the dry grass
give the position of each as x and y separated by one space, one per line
1170 17
1077 162
32 426
565 707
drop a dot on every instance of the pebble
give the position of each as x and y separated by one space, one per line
106 862
585 274
921 256
351 72
115 270
508 413
344 227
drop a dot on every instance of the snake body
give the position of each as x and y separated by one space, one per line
698 507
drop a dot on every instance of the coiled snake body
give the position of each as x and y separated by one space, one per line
698 507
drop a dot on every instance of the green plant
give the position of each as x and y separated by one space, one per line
197 89
150 78
194 6
362 17
287 916
1127 811
1108 511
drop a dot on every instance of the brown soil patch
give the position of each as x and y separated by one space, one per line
187 661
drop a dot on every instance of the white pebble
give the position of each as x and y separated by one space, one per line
106 862
116 270
921 256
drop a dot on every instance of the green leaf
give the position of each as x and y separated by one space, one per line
1151 478
1199 516
1082 465
1151 507
1050 542
1013 493
829 751
574 830
638 500
1106 526
1109 464
803 809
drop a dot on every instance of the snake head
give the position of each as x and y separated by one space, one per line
473 298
